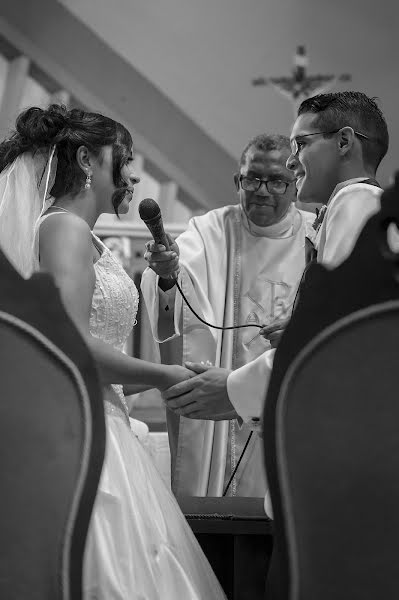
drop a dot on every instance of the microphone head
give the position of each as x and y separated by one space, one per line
149 209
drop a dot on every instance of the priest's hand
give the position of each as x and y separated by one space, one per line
164 263
274 331
204 396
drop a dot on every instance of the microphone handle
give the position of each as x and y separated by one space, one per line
157 231
155 226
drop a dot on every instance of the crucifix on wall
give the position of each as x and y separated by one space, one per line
300 85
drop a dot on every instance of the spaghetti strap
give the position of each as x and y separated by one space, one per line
99 244
60 211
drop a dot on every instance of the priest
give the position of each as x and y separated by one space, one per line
237 265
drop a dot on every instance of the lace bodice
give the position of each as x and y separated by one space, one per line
115 301
113 312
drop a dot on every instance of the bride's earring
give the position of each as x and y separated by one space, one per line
88 181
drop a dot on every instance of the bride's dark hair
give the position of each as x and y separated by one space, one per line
37 128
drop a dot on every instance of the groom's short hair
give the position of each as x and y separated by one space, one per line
357 110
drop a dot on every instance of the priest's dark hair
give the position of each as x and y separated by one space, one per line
340 109
38 128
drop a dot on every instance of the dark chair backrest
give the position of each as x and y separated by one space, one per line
338 460
369 276
52 441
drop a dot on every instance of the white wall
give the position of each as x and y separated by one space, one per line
3 74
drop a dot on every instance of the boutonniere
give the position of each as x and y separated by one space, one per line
320 212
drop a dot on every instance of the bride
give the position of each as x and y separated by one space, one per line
59 171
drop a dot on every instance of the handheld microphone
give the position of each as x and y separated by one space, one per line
150 213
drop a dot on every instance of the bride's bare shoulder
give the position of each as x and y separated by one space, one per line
66 233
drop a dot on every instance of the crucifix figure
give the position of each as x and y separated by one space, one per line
300 85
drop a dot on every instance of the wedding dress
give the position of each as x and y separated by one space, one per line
139 545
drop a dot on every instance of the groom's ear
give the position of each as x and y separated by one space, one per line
237 181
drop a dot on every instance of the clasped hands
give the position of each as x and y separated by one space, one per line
203 396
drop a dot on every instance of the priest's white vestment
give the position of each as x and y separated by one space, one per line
232 272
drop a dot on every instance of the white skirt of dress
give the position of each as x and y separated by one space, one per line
139 545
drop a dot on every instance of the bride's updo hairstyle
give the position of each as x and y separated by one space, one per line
37 129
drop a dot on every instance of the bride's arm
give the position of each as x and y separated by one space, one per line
131 388
66 251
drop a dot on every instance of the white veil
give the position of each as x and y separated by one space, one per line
24 187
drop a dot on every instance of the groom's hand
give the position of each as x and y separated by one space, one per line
204 396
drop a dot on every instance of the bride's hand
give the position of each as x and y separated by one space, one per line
175 374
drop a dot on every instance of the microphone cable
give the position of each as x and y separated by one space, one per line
209 324
222 328
238 464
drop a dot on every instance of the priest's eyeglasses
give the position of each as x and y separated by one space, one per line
273 186
295 143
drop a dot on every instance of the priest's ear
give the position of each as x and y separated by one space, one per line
237 181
